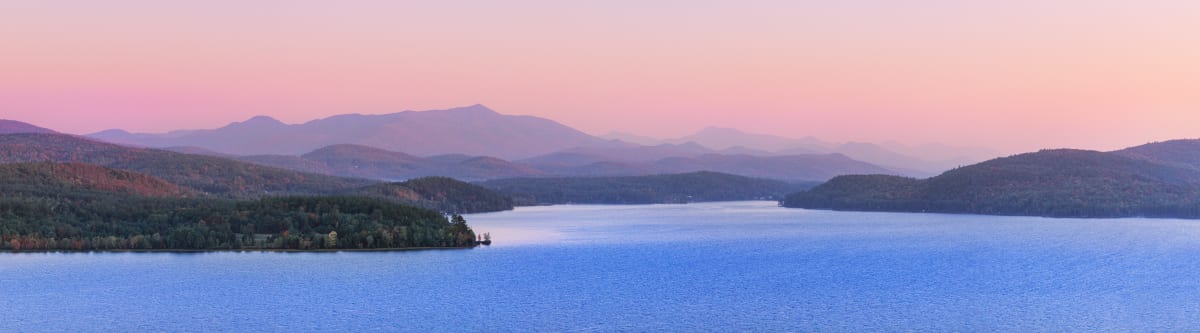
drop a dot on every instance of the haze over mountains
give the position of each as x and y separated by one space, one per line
472 130
607 159
477 143
374 163
1157 179
921 160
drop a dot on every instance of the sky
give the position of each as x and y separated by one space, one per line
1011 75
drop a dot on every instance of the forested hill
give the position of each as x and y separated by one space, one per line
440 193
1057 183
373 163
48 179
213 175
1180 153
673 188
13 126
52 206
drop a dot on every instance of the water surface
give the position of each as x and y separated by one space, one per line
698 267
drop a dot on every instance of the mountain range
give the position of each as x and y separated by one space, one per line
922 160
477 131
1159 179
673 188
472 130
373 163
46 163
359 161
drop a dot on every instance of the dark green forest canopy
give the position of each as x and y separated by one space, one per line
50 206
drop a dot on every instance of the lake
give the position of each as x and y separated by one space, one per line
731 266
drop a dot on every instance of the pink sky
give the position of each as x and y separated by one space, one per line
1013 75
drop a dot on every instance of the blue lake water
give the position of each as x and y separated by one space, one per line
734 266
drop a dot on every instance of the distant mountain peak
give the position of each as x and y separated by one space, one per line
476 109
472 130
261 120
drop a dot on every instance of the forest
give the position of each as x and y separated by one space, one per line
81 207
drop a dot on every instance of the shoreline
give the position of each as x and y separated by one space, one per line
398 249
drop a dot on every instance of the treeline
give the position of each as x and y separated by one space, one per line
48 206
108 222
674 188
1054 183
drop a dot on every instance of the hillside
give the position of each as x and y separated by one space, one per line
472 130
14 127
1058 183
722 138
440 193
214 175
692 158
674 188
1180 153
73 206
922 160
373 163
52 179
366 162
791 167
358 161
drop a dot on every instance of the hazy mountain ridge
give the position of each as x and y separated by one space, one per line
441 193
373 163
793 167
1157 179
462 133
692 157
472 130
479 131
922 160
357 161
722 138
669 188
